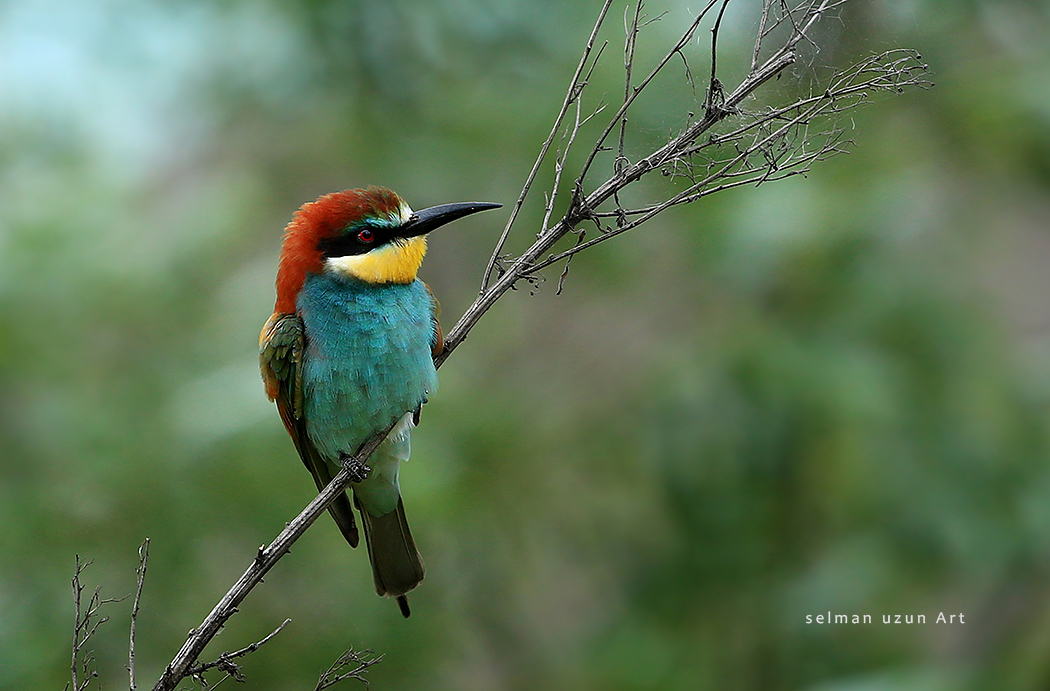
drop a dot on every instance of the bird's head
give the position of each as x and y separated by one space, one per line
368 234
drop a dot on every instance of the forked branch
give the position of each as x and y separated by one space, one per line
352 664
86 622
767 144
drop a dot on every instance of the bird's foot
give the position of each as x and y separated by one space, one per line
358 470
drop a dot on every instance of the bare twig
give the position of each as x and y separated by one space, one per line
575 86
759 35
140 580
715 90
225 662
86 623
788 148
687 36
631 41
778 142
351 665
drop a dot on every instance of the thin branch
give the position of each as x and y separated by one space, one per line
565 270
78 592
225 662
559 163
358 662
761 33
264 560
886 72
574 89
631 40
520 267
715 91
687 36
85 624
675 152
140 580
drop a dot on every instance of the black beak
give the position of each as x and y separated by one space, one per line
422 222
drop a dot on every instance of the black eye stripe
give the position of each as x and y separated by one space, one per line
359 238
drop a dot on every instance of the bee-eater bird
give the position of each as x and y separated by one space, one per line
348 353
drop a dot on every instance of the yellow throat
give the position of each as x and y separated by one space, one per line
396 262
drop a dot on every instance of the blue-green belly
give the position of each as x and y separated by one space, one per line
367 363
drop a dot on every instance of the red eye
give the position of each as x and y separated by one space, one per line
366 235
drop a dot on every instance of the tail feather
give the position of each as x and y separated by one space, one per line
397 566
344 518
340 508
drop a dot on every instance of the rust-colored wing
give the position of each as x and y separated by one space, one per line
281 347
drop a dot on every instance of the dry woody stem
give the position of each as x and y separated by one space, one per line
351 665
140 579
86 621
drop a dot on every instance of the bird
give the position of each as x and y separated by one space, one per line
348 354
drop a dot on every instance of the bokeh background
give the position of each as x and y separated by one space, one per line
827 393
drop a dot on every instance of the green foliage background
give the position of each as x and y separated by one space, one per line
822 394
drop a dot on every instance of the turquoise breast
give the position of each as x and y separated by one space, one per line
367 360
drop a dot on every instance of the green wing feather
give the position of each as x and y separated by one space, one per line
281 347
